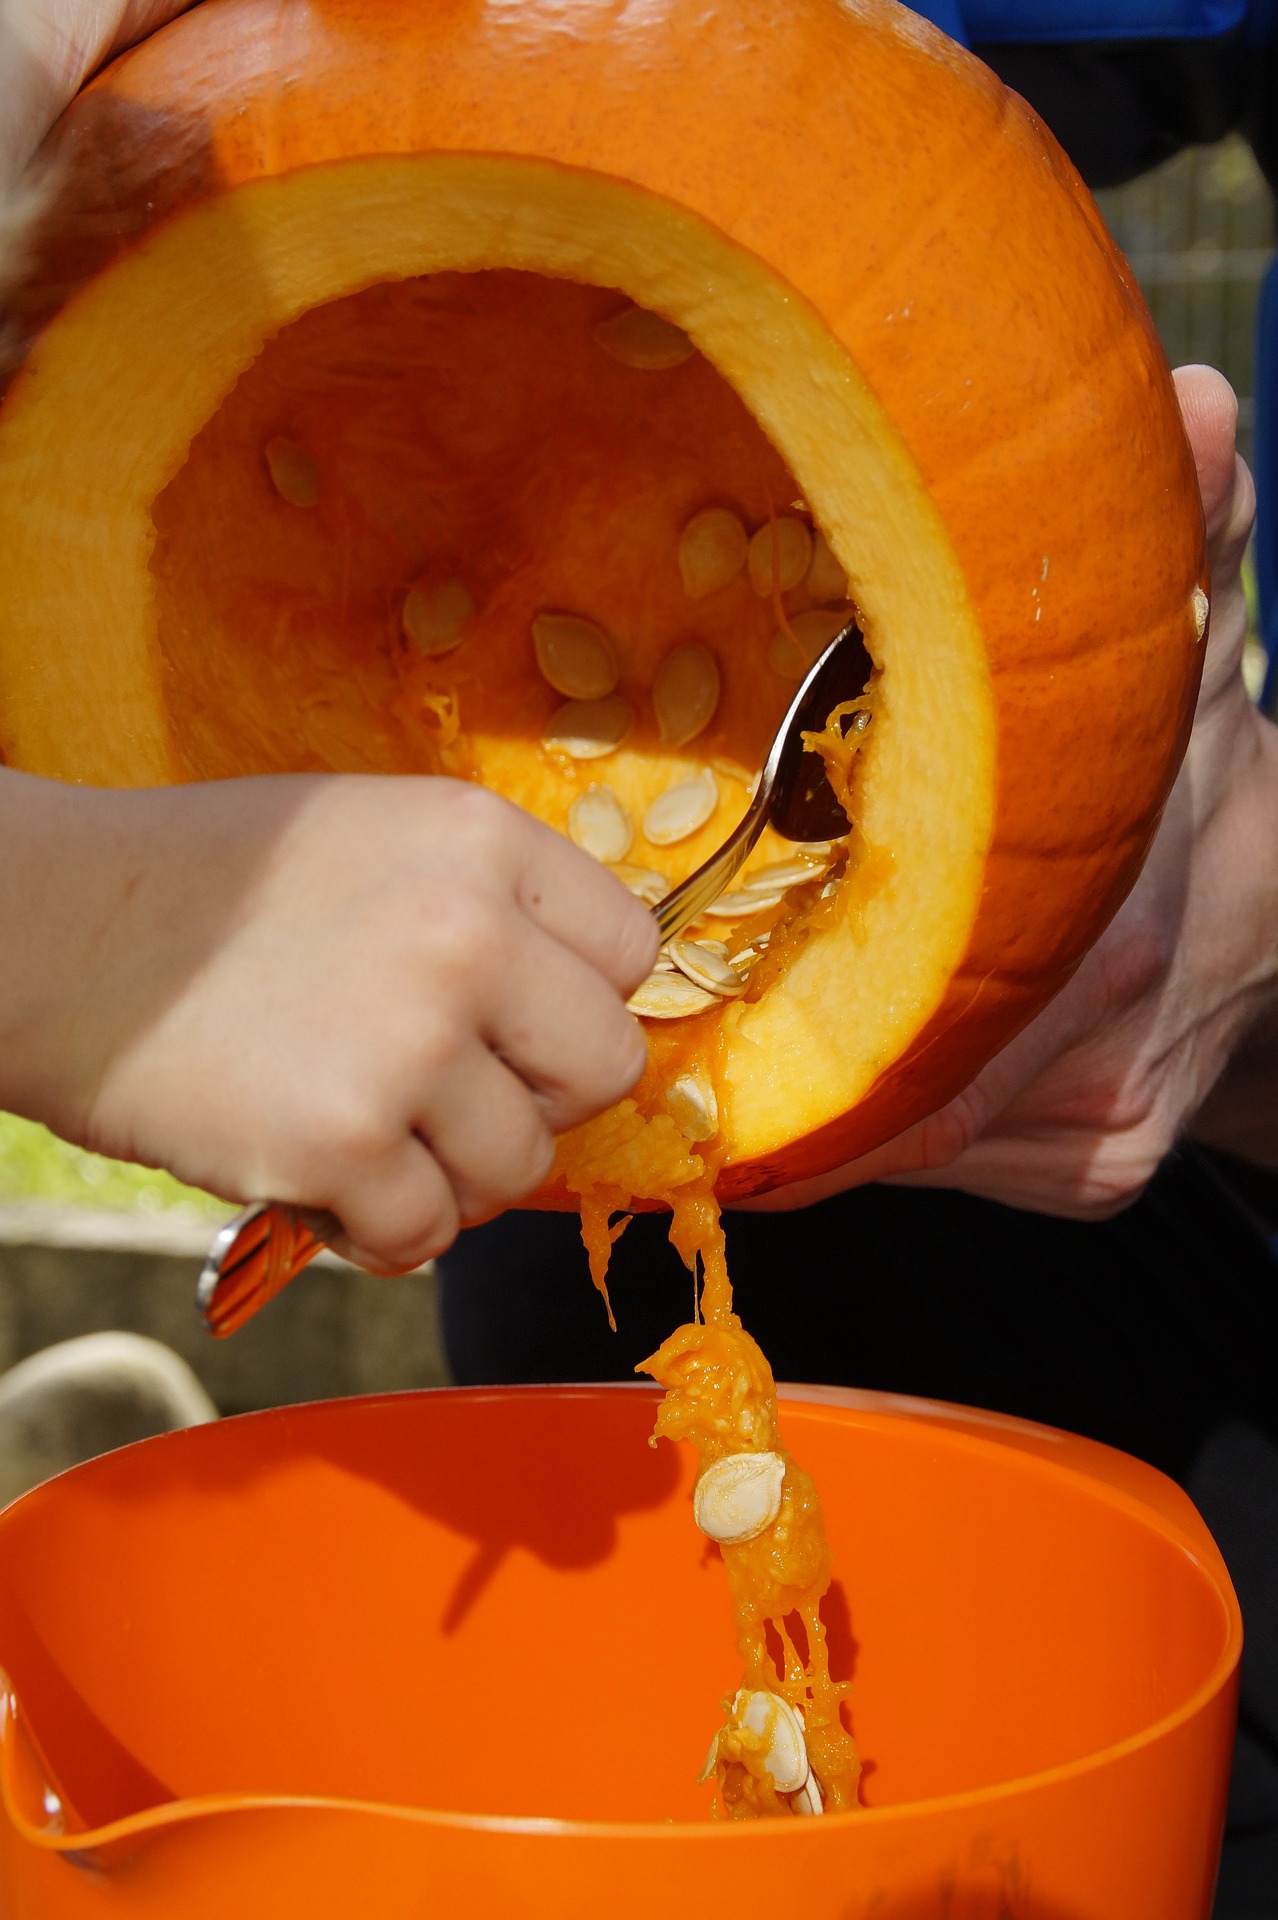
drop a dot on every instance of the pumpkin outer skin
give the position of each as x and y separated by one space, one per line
945 241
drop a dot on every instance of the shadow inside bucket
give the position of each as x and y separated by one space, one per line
542 1491
274 1534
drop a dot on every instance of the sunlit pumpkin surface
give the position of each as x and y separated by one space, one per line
502 448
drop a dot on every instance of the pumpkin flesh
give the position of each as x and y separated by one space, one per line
179 488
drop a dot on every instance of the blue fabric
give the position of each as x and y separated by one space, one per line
1055 21
1266 465
991 22
946 15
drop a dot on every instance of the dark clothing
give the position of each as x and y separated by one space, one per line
1156 1332
1121 107
1147 1331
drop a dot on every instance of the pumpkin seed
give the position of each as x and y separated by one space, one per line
813 632
780 874
712 551
738 1498
670 996
646 885
739 905
600 825
435 619
808 1799
685 693
294 475
692 1104
575 656
771 1717
642 339
681 809
826 579
589 729
792 541
705 968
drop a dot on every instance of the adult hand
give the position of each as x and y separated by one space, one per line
380 996
1075 1115
48 49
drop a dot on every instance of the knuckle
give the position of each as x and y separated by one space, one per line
1127 972
946 1135
481 823
469 935
1118 1170
439 1047
348 1134
405 1233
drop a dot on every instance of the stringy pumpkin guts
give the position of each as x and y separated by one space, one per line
782 1748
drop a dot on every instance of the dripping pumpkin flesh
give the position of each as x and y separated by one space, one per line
426 516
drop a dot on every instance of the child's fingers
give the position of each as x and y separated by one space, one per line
565 1031
584 907
487 1132
395 1204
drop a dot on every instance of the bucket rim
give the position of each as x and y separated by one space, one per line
1118 1479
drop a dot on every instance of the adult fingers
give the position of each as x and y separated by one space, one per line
138 18
1209 409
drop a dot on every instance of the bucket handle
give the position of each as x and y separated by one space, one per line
25 1787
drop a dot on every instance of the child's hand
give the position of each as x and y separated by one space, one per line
381 996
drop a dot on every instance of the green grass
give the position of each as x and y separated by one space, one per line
36 1166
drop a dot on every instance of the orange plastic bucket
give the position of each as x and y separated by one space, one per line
461 1654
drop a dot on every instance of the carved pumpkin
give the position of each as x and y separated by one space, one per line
335 402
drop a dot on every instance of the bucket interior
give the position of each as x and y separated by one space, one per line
496 1603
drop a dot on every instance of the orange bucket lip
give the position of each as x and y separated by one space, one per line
891 1471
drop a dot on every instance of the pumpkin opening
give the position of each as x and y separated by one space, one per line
411 380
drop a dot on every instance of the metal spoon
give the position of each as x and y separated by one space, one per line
258 1252
793 796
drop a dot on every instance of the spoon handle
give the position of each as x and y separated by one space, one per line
254 1257
793 792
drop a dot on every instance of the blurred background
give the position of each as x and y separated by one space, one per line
1199 233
